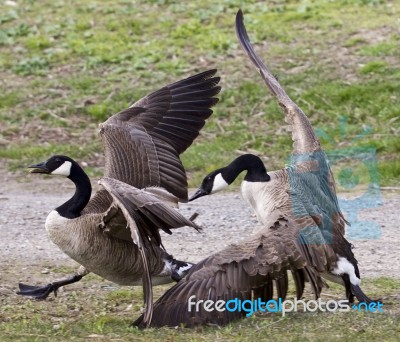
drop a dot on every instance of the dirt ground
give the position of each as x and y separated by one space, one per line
26 252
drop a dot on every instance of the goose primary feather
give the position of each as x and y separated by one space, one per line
302 228
115 234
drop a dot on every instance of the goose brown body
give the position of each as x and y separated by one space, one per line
115 234
116 260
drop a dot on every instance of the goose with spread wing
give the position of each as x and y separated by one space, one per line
115 234
302 229
304 191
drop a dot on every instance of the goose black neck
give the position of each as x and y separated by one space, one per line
73 207
256 171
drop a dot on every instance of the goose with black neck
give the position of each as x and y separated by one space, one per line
115 233
301 229
304 191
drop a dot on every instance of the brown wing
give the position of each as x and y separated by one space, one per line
306 146
142 143
149 211
310 193
304 138
246 271
137 216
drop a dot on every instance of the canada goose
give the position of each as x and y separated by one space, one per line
115 234
302 230
305 190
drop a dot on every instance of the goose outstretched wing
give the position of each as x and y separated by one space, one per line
304 138
142 144
307 151
244 271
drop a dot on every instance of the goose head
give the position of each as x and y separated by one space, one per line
213 182
221 178
56 165
67 167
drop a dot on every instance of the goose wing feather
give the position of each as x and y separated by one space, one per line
142 144
136 237
304 138
310 194
246 270
306 146
149 210
144 214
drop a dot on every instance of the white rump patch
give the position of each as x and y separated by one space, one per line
344 266
63 170
182 270
219 183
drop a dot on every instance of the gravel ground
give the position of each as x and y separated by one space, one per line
26 201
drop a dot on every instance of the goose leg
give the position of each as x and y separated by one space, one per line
42 292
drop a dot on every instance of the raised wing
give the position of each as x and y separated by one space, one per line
303 136
142 143
245 271
306 146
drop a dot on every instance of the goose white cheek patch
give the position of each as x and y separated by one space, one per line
63 170
219 183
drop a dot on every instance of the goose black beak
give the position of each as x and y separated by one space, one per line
39 168
199 193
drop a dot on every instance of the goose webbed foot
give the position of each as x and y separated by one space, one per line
38 292
42 292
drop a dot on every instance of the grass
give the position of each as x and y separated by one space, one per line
94 310
69 67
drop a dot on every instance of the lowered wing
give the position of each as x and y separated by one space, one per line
246 271
139 216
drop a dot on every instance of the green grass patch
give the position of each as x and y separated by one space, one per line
389 171
381 49
22 156
70 67
103 314
379 67
9 99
